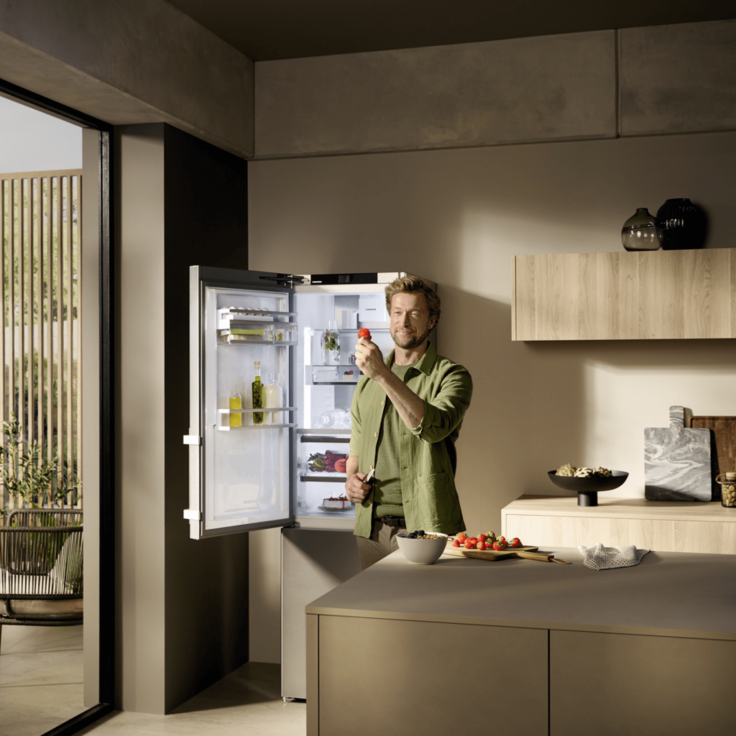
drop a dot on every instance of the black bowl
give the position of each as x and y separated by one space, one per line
588 488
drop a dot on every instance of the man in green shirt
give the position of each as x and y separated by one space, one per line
406 416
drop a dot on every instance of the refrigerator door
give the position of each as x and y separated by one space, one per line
241 434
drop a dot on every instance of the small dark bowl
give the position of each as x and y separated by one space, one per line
588 488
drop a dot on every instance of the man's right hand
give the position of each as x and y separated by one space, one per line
356 489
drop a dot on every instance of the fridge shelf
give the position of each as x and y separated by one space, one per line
224 337
227 428
324 438
253 411
327 478
253 312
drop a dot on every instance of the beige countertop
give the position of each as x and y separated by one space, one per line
667 594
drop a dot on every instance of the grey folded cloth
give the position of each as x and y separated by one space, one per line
606 558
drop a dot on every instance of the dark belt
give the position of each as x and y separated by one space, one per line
399 521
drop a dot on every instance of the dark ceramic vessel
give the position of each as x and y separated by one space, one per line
682 225
588 488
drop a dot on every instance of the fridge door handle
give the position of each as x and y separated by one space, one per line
192 439
193 514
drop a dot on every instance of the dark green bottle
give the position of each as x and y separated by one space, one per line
257 395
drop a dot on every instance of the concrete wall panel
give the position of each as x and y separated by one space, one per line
531 89
133 62
678 78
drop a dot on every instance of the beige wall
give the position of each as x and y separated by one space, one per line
182 605
457 217
141 420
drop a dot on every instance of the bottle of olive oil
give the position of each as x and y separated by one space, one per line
257 395
236 403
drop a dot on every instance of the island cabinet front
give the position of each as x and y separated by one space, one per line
614 684
379 675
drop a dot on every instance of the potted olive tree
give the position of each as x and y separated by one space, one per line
40 488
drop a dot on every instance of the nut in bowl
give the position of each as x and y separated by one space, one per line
424 548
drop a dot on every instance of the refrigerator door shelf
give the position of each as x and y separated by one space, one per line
225 428
245 423
324 478
240 314
278 336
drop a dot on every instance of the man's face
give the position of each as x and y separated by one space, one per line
410 320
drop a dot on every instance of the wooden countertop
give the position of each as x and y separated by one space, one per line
667 594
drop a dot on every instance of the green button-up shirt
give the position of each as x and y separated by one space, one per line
427 452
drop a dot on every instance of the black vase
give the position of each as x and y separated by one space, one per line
682 225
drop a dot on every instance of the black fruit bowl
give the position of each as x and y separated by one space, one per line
588 488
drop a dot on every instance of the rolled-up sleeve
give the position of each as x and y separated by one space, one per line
444 412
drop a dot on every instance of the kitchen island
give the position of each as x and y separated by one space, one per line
526 647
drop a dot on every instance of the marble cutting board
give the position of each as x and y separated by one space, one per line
677 461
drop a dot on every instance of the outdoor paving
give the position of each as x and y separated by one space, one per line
41 678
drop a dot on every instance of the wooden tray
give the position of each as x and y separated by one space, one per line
492 555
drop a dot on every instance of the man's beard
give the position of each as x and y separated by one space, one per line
410 341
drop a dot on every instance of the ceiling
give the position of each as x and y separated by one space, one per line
266 30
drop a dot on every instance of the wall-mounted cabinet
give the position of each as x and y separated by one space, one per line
655 295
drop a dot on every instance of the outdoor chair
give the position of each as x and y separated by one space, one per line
41 580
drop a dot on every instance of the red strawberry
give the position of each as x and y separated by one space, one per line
481 545
515 542
468 544
364 332
456 543
500 544
462 537
473 541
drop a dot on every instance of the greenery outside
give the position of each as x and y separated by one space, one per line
39 305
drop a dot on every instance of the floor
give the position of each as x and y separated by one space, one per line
43 665
41 678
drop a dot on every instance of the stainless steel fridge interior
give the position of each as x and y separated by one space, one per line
326 376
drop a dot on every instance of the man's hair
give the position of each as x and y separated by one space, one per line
414 285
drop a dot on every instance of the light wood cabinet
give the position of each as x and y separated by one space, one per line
665 526
655 295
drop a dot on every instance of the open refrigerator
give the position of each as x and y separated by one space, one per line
276 456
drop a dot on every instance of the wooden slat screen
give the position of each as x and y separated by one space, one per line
40 247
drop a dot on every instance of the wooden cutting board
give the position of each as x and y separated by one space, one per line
492 555
723 456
